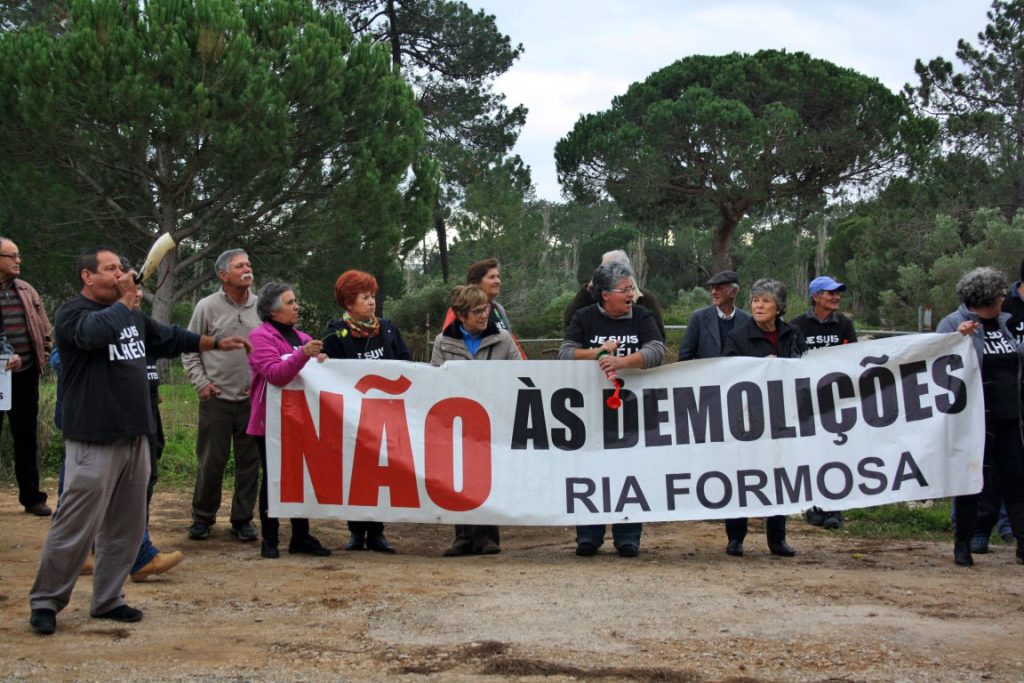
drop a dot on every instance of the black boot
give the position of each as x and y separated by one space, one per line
356 542
962 553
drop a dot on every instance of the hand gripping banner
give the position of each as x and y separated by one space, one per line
534 443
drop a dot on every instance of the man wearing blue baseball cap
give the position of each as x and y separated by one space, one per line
823 325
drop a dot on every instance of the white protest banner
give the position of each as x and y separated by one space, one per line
5 384
532 442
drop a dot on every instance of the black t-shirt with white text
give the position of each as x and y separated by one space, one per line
590 328
999 368
835 331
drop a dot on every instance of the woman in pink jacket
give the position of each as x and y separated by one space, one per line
279 352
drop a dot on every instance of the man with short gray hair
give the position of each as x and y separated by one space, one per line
222 384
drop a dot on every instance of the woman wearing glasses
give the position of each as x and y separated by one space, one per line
360 334
618 335
473 335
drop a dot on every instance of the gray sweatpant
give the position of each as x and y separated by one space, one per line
104 500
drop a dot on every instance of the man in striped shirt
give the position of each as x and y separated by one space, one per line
29 332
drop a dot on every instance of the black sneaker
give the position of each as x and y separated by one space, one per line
628 550
815 516
199 531
979 544
246 532
43 621
833 521
586 549
121 613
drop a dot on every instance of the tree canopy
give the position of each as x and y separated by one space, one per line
727 133
253 123
982 107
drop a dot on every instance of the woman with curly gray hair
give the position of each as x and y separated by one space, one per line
764 335
980 315
618 335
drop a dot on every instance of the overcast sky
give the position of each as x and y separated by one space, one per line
579 54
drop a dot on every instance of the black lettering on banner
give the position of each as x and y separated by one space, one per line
786 491
671 490
876 475
654 417
744 486
847 480
624 433
777 412
705 416
957 400
878 398
575 433
726 492
805 406
631 493
913 390
836 422
529 423
745 423
572 494
606 494
907 469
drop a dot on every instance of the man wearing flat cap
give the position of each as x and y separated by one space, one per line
708 327
823 325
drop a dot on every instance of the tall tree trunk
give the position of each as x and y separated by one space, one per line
395 36
821 256
721 243
442 240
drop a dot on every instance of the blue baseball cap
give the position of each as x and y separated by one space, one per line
823 283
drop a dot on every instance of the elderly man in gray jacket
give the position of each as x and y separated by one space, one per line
709 326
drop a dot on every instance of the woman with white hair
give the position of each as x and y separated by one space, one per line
279 352
981 293
764 335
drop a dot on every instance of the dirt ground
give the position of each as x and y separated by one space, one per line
844 609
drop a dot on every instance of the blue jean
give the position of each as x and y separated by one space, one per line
622 534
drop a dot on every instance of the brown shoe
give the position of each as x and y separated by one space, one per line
90 564
163 562
39 509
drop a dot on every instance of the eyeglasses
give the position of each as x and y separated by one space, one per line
624 290
14 257
480 311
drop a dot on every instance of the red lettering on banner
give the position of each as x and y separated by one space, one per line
377 417
300 447
439 453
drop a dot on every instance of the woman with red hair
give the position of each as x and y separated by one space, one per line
359 333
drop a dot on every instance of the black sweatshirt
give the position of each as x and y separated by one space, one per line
103 365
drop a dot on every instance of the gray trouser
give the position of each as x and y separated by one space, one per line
221 423
104 501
